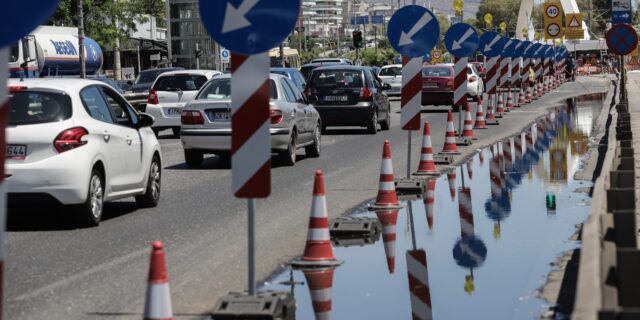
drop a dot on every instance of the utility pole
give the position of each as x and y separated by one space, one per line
167 9
83 71
589 14
117 66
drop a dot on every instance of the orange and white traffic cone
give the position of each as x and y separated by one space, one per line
480 122
521 100
450 146
500 109
389 221
470 168
451 177
387 198
468 123
318 251
158 301
529 96
509 99
320 282
427 166
429 200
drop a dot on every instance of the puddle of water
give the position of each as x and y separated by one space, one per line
478 245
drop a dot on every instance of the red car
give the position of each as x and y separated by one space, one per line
437 85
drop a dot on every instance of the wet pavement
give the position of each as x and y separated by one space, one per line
480 242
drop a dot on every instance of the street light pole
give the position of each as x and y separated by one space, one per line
83 70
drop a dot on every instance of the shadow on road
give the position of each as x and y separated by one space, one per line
209 163
345 131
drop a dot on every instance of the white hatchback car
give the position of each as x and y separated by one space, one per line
79 142
170 93
392 74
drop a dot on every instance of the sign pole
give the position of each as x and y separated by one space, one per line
251 245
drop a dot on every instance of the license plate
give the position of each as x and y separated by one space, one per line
335 98
431 84
16 151
174 111
219 116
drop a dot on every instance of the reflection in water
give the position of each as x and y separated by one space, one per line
320 282
524 242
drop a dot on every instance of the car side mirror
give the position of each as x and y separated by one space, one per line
386 86
145 120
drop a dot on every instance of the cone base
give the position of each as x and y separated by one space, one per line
483 127
374 207
450 152
306 264
491 122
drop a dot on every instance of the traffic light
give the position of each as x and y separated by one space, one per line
198 51
357 39
551 201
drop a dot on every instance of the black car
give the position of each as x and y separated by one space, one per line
307 68
145 78
349 96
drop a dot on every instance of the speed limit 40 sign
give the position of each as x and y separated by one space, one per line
552 10
553 26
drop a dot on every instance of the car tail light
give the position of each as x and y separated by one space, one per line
153 97
472 79
306 92
276 116
191 117
365 94
450 84
17 88
70 139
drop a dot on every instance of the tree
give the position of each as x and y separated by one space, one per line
502 11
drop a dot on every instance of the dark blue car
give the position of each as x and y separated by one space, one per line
293 74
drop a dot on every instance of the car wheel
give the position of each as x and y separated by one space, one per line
193 158
89 213
313 150
386 124
176 132
288 157
151 197
324 129
372 127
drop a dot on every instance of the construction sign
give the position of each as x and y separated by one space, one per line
574 26
437 56
553 27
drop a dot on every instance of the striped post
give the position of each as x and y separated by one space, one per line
4 117
494 172
524 73
515 79
389 221
466 212
429 200
158 301
460 82
411 95
470 168
418 275
250 139
545 75
320 282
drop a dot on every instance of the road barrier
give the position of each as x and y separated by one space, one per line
158 301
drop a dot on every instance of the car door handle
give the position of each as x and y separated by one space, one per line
128 139
106 136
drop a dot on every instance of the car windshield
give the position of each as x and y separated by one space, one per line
337 78
391 71
15 53
148 76
436 71
220 89
33 107
180 82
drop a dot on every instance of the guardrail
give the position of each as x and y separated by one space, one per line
608 284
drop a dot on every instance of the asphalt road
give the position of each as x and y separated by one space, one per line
53 271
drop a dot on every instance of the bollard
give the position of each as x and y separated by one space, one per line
624 222
628 260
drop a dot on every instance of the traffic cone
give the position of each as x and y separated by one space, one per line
500 108
158 301
318 251
470 168
451 177
320 282
529 97
387 197
509 99
480 123
540 91
491 116
521 99
450 146
468 123
389 220
429 200
427 166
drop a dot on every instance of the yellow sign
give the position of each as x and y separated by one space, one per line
574 26
437 56
458 5
553 27
503 26
571 33
488 18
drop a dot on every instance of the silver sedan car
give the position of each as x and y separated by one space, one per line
206 122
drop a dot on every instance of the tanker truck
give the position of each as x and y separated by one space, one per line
53 51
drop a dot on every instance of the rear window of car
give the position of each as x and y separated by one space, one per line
337 78
34 107
436 72
283 73
220 89
390 71
180 82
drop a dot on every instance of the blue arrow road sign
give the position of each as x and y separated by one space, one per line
461 40
509 48
249 26
470 252
549 53
528 49
491 44
537 50
413 31
18 18
520 47
621 11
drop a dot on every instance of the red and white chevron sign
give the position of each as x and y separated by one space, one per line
460 82
411 100
492 67
419 285
250 137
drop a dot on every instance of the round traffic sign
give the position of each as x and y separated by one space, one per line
225 53
18 18
249 26
528 49
509 48
549 52
470 252
553 29
537 50
461 40
622 39
437 55
412 31
552 11
491 44
520 48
